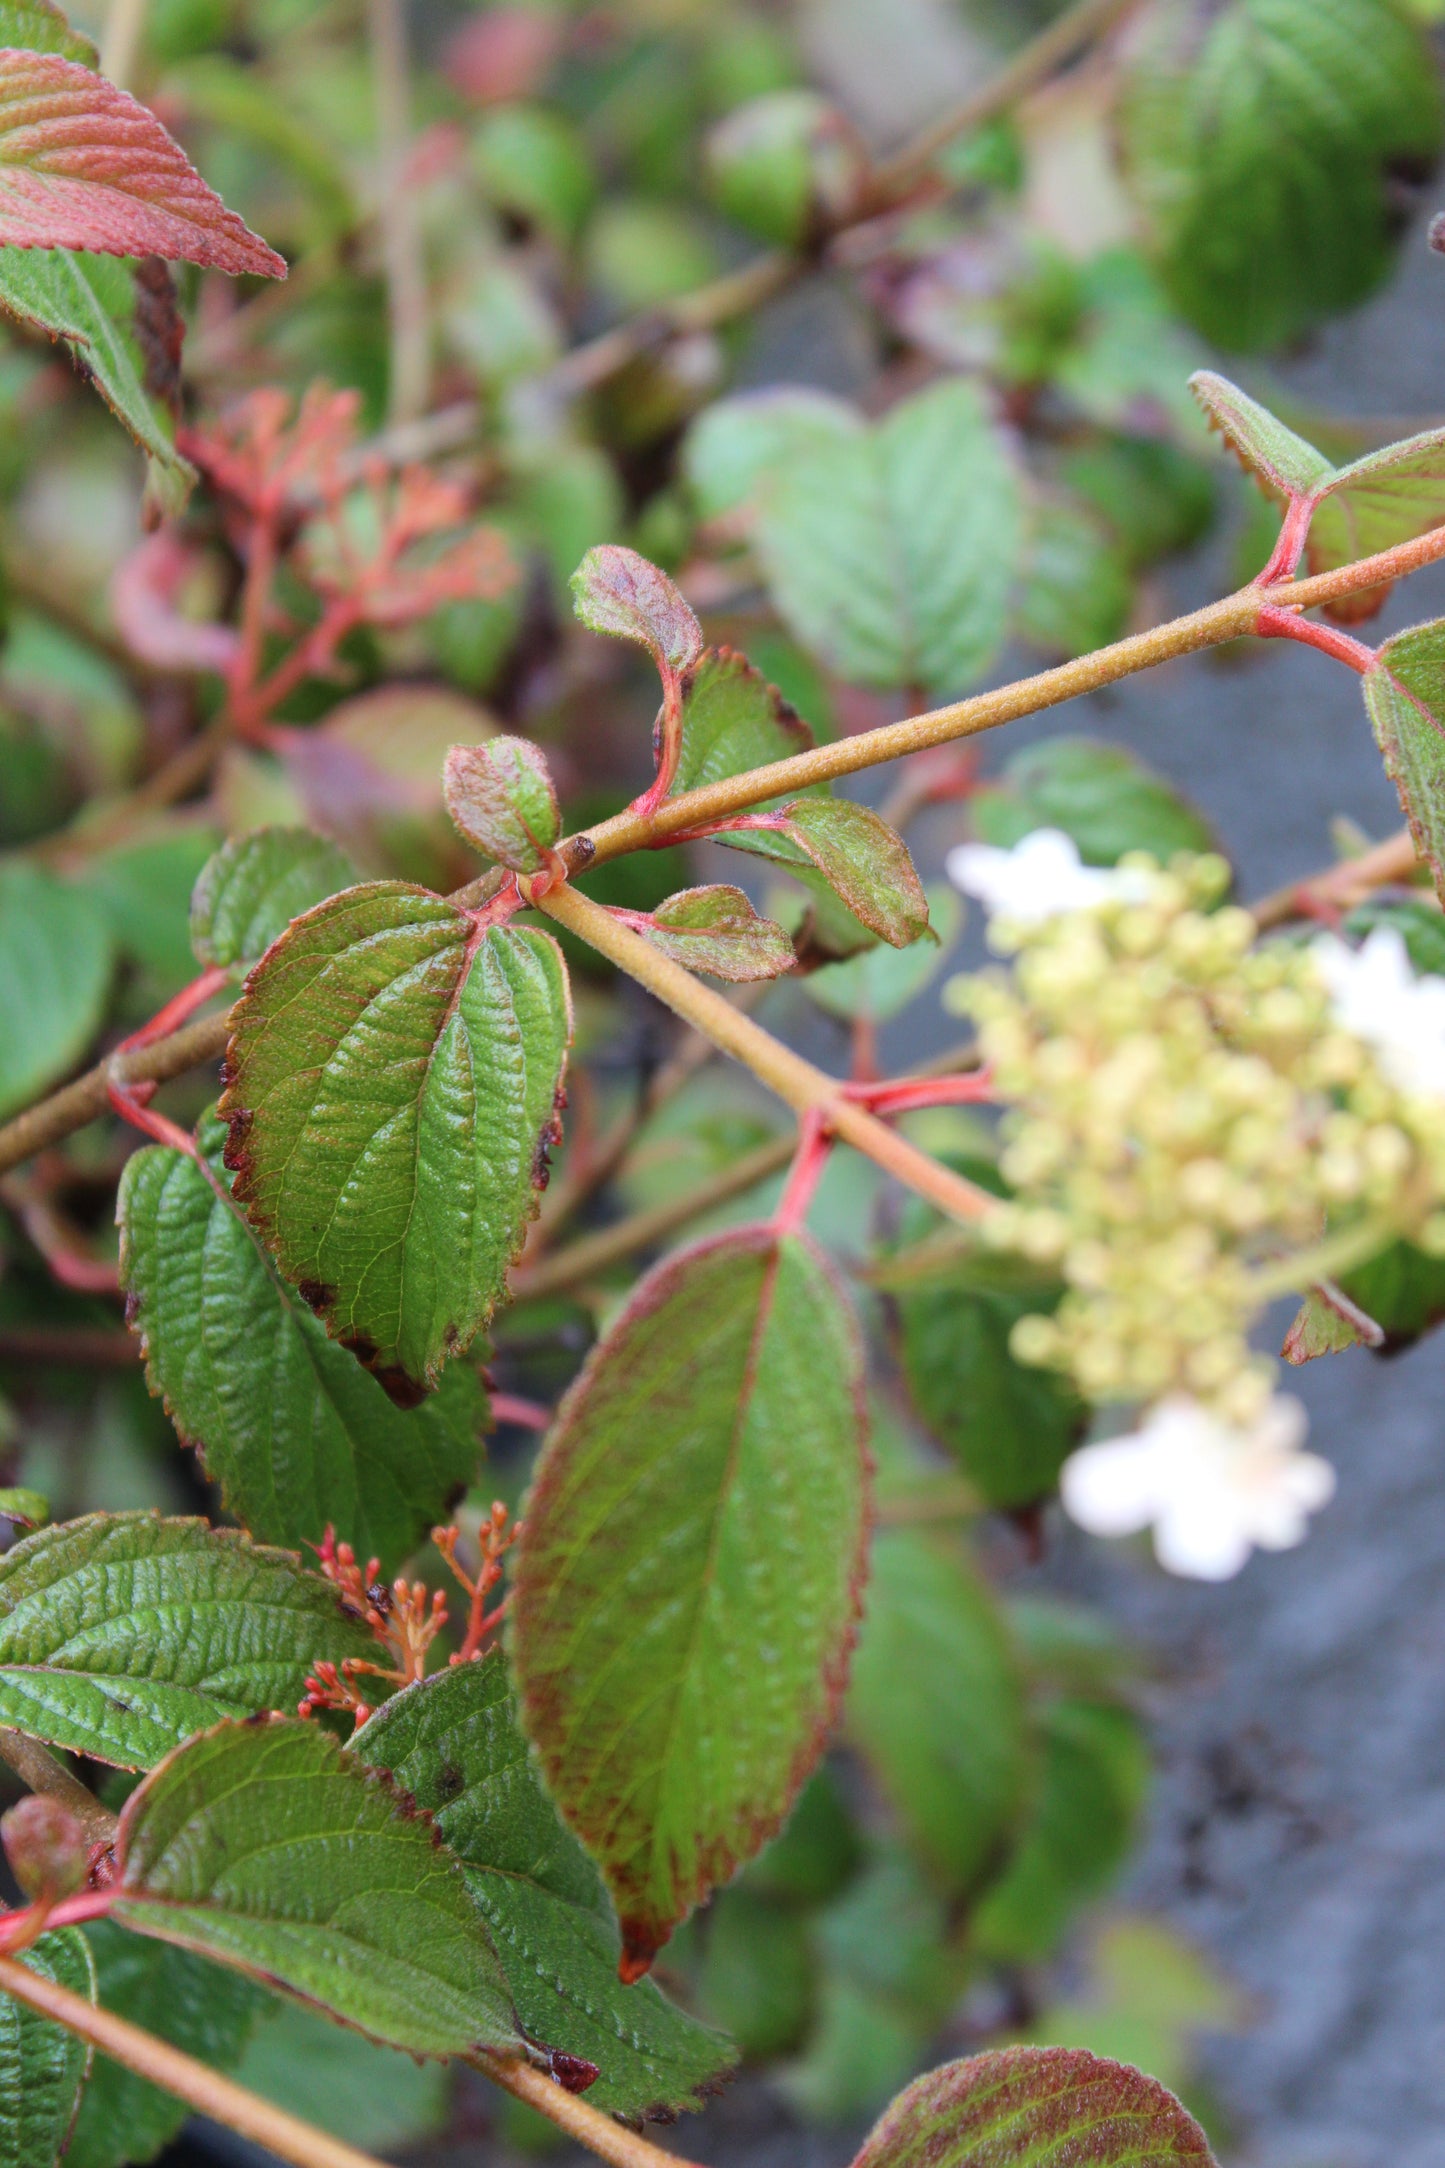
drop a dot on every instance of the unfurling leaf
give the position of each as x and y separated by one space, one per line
1283 462
732 720
395 1072
861 859
43 2068
617 592
253 887
56 958
268 1847
501 798
453 1744
121 1634
688 1576
717 930
1035 2108
83 165
1405 696
295 1433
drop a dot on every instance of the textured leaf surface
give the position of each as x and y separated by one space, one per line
289 1425
42 2067
395 1070
732 720
250 890
96 304
201 2008
55 964
1104 797
861 859
1405 696
38 26
937 1705
1267 132
617 592
120 1634
1270 450
1372 504
687 1579
83 165
717 930
501 798
1035 2108
891 553
453 1744
267 1847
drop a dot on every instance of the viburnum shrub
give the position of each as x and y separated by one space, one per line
707 1720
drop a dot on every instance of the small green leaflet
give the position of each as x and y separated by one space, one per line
453 1745
43 2068
121 1634
615 591
1265 447
199 2007
395 1073
733 720
293 1430
250 890
38 26
1103 796
500 797
860 858
1405 698
266 1846
1327 1323
892 552
937 1704
56 956
1035 2108
688 1574
717 930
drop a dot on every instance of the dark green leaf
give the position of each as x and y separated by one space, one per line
294 1431
1268 132
1265 447
817 1850
121 1634
395 1070
198 2007
617 592
56 958
1420 926
1101 795
253 887
1403 1290
1405 697
1035 2108
454 1747
732 720
891 553
861 859
501 798
937 1705
757 1975
267 1847
717 930
43 2068
689 1570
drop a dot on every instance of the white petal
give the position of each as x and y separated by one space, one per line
1112 1488
1200 1542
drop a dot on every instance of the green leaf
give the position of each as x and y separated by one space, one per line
1405 699
38 26
757 1976
533 162
733 720
1264 446
1403 1290
689 1568
1035 2108
717 930
1419 924
787 166
24 1508
937 1706
43 2068
96 306
292 1429
1326 1324
859 857
1077 592
56 957
1109 801
732 450
500 797
892 553
395 1071
251 889
879 982
121 1634
268 1847
453 1745
1155 499
146 889
1270 133
364 2094
615 591
1380 500
196 2006
1090 1794
816 1852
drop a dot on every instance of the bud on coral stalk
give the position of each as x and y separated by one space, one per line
46 1847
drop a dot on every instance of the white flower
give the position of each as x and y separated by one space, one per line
1375 995
1210 1491
1039 878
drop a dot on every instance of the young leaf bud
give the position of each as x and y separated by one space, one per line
617 592
501 798
46 1847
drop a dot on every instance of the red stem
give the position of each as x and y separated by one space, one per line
525 1414
1289 547
1277 624
814 1145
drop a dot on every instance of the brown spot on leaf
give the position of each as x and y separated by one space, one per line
159 330
402 1390
573 2072
319 1297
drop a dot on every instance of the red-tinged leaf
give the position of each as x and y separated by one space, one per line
857 855
1281 462
688 1578
83 165
1035 2108
1327 1323
717 930
501 798
1405 696
615 591
732 720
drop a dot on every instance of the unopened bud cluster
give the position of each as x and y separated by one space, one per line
1184 1111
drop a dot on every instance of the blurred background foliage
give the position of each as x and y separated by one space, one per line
653 271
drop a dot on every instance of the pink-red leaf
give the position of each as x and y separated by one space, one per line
83 165
617 592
